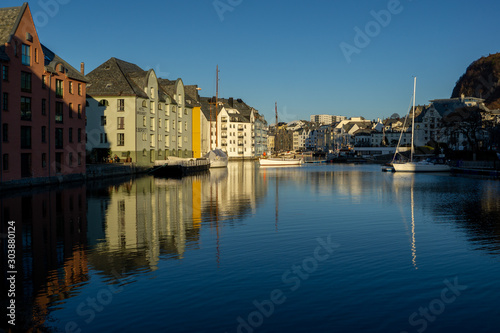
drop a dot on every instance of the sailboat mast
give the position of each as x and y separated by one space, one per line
217 109
413 119
276 136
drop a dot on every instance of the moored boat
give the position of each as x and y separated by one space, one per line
217 158
280 161
420 166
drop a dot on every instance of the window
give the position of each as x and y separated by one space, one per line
25 108
79 135
59 138
185 126
121 139
159 106
59 112
152 140
5 102
59 88
101 138
159 122
70 110
121 123
5 73
44 134
70 87
70 159
36 55
44 106
167 140
44 81
79 111
25 137
144 121
80 89
26 55
5 162
121 105
70 134
44 160
144 104
103 120
5 132
79 158
152 124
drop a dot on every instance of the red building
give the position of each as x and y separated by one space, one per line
42 106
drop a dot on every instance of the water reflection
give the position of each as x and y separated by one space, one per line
51 258
65 237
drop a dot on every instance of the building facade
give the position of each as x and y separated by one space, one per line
42 105
136 117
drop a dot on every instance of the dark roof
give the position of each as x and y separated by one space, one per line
9 21
52 60
191 95
116 77
443 106
168 87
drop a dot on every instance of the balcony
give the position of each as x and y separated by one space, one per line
240 135
240 127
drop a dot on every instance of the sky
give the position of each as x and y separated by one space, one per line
347 58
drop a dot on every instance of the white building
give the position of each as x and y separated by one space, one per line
131 116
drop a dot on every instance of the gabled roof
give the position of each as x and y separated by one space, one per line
52 60
9 21
168 88
116 77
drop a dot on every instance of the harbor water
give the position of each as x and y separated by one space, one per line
315 248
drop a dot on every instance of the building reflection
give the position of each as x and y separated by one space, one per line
51 260
157 218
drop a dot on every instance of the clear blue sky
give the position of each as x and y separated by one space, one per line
287 51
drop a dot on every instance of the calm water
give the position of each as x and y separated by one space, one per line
318 248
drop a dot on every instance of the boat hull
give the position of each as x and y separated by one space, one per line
279 162
217 158
420 167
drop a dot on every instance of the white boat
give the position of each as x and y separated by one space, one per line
422 166
217 158
280 161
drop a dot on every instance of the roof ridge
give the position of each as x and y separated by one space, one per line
124 75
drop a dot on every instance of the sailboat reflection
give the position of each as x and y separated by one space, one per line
401 182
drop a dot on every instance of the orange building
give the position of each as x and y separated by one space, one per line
42 106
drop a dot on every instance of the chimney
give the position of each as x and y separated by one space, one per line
82 68
231 102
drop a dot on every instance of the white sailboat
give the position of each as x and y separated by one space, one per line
217 157
421 166
279 161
